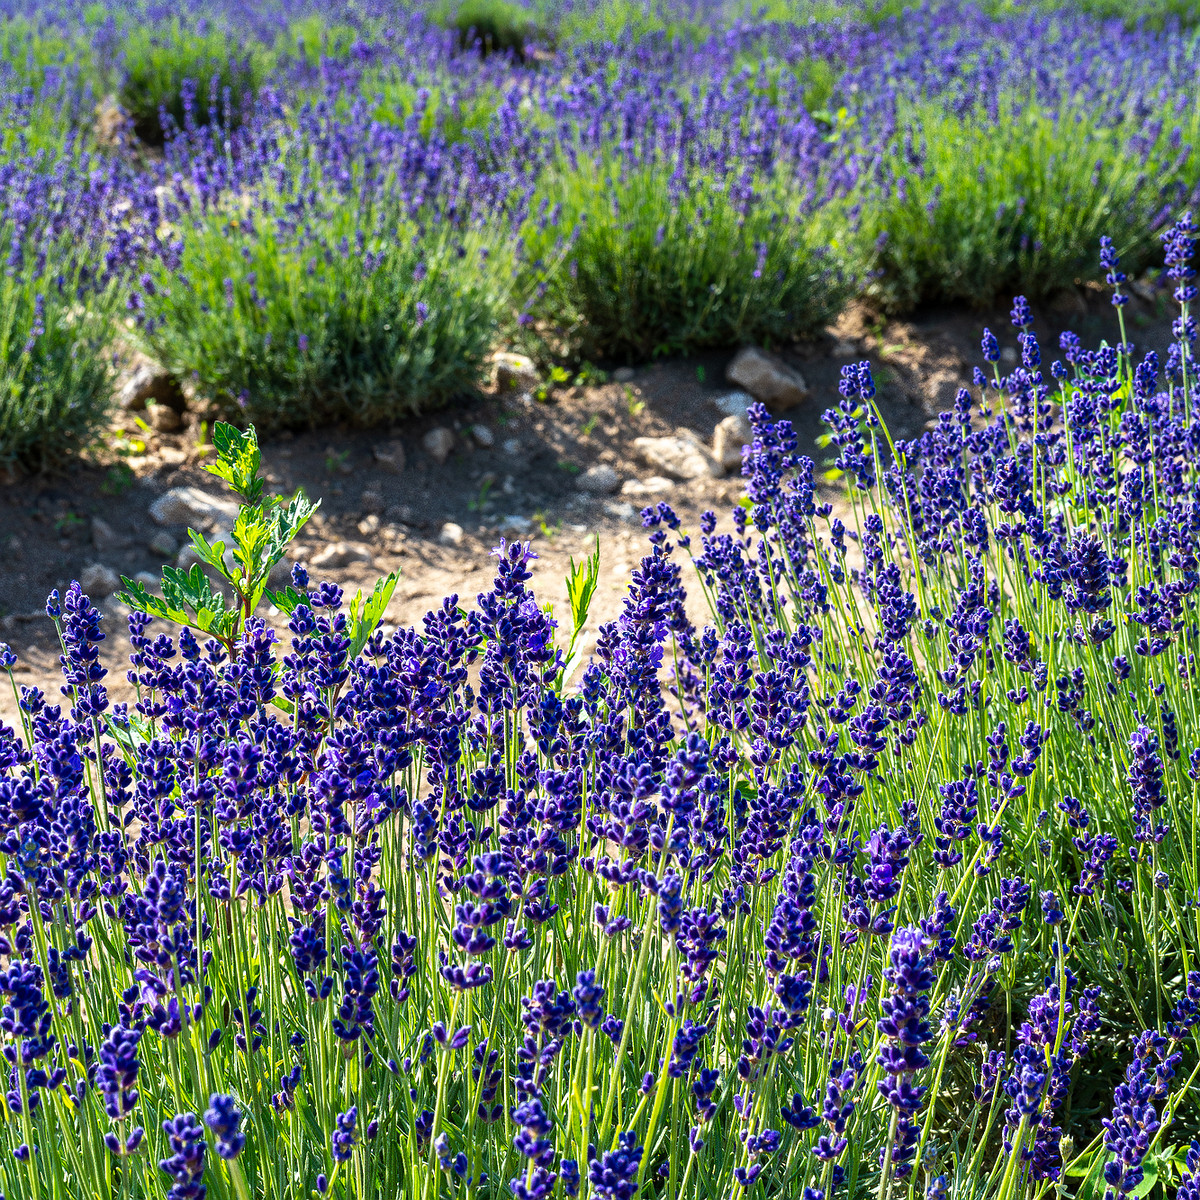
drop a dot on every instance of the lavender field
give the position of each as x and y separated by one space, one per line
883 880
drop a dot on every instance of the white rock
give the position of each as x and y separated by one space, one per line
451 534
516 372
734 404
678 456
729 437
600 480
99 581
390 456
767 378
369 525
621 509
188 505
147 579
163 544
341 554
1008 356
845 348
512 446
515 523
105 537
483 436
654 486
623 375
438 443
164 419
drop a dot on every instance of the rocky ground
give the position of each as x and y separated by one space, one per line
432 497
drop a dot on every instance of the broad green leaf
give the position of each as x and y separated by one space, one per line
238 460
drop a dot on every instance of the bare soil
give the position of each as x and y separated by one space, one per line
523 486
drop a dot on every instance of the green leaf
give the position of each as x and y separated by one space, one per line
287 599
365 617
581 588
238 460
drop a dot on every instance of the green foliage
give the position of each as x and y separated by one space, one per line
158 62
261 535
493 25
625 21
294 328
1017 206
55 381
651 272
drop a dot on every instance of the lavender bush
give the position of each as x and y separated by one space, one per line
881 882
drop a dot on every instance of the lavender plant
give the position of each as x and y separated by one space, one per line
873 885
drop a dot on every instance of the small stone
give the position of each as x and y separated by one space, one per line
147 579
390 456
451 534
99 581
369 525
600 480
512 446
341 554
767 378
146 381
164 545
164 419
516 373
621 509
729 437
845 348
438 443
105 537
623 375
734 404
515 523
1008 356
483 436
679 457
371 501
654 486
188 505
401 512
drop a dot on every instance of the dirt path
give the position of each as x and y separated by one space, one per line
514 471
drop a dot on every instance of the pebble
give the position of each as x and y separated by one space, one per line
98 580
654 486
483 436
371 501
105 537
516 372
767 378
163 544
845 348
1009 356
734 404
511 446
341 554
681 456
438 443
164 419
600 480
623 375
621 509
369 525
390 456
729 437
190 506
147 579
147 381
451 534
